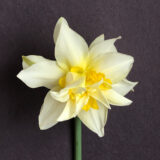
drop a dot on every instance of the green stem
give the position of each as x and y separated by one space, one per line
77 139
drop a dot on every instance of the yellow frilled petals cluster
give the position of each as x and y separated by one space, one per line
92 77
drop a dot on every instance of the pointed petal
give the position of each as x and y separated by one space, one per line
98 95
115 66
57 28
124 86
95 120
104 47
45 73
50 111
97 40
32 59
116 99
71 49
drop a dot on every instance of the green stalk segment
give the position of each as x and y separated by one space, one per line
77 139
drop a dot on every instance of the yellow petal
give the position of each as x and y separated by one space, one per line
45 73
95 120
116 99
50 111
124 86
71 49
97 40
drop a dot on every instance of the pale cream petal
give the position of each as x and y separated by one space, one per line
50 111
45 73
57 28
115 98
74 80
98 95
72 109
97 40
104 47
80 103
76 85
61 95
32 59
115 66
124 86
70 49
94 119
68 111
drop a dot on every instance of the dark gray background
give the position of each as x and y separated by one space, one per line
26 27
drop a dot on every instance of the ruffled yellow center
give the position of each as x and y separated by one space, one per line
62 82
92 103
92 77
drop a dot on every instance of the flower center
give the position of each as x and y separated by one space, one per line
92 103
93 77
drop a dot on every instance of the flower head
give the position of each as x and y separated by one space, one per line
83 81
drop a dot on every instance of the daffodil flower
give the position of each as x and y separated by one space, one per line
83 81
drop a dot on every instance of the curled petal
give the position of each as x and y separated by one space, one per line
94 119
104 47
61 96
45 73
50 111
115 98
71 49
124 86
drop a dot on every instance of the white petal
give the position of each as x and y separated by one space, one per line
58 27
94 119
74 80
62 94
80 103
71 49
115 98
32 59
45 73
68 111
98 95
72 109
104 47
115 66
124 86
50 111
97 40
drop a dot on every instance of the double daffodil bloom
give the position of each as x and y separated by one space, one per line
83 81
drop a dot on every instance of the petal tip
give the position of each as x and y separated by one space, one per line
119 37
101 133
42 125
